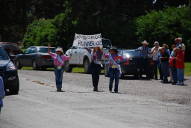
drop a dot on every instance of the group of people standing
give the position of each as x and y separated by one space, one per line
169 62
96 65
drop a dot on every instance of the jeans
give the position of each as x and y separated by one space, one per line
143 66
96 69
160 71
114 74
58 77
165 71
174 74
180 75
155 70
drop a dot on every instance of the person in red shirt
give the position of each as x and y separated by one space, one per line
179 53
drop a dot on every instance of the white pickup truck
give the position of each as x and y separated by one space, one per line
81 57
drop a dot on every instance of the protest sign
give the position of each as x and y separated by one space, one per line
88 40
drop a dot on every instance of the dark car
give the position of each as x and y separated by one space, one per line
9 73
11 48
135 61
36 57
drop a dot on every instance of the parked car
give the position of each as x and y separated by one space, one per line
81 57
134 64
11 48
36 57
9 73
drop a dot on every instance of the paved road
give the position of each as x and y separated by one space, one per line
140 104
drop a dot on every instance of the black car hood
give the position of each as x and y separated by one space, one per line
4 62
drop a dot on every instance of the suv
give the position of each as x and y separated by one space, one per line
9 73
36 57
81 57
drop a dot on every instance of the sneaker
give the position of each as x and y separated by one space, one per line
59 90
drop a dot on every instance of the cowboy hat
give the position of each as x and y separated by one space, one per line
59 49
178 39
145 42
113 49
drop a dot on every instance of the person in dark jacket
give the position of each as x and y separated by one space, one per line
96 66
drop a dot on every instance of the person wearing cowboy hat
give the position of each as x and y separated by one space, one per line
179 44
114 60
143 62
59 60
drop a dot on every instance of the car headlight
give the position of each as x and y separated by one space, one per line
126 55
10 66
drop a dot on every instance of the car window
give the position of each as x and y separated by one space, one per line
3 54
45 50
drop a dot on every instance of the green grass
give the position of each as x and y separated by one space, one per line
78 70
188 69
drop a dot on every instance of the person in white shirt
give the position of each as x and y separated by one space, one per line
155 56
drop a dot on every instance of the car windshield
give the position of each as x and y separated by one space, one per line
131 52
3 54
45 50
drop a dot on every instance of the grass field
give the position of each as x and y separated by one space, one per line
188 69
81 70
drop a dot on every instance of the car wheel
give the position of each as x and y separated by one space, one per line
122 76
68 67
34 65
15 90
86 66
18 65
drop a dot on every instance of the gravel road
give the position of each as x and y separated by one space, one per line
140 103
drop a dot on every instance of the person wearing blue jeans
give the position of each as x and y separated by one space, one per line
114 74
2 92
59 60
114 68
59 77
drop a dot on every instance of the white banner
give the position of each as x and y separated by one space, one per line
87 40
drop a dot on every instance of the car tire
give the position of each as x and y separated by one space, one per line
18 65
68 67
15 90
86 66
122 76
34 65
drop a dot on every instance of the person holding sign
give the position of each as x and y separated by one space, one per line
96 66
59 59
114 68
